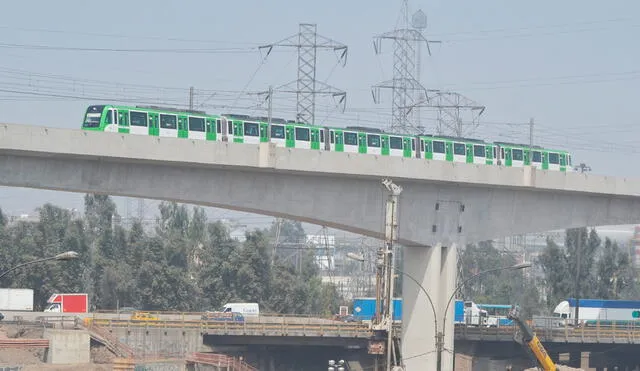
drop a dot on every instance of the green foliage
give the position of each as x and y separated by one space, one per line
185 264
605 271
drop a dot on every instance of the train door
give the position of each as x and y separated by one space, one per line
153 124
336 140
210 128
183 129
563 162
384 145
470 153
362 143
315 138
508 160
302 137
290 137
219 131
123 122
489 150
238 131
448 151
407 149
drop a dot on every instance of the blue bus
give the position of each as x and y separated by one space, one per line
497 314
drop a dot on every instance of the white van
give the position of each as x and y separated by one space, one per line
247 309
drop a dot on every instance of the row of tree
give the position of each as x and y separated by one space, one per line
584 266
186 264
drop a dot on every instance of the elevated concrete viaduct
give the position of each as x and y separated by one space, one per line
442 204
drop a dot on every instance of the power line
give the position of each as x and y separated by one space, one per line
132 50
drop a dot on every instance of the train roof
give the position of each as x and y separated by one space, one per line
455 139
173 109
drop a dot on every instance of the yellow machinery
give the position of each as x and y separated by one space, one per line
532 341
144 316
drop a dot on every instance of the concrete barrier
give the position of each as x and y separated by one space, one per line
67 346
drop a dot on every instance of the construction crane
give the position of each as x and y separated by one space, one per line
531 340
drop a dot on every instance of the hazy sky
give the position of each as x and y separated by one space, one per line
571 65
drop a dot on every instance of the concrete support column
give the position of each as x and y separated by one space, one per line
418 331
447 285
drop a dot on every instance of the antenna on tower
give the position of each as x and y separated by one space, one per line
306 87
405 83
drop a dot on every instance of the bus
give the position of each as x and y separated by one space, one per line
497 314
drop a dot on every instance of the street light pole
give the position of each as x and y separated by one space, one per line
69 255
439 336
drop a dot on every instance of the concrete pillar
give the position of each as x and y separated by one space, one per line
418 331
447 286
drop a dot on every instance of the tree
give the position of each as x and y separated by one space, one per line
560 265
615 272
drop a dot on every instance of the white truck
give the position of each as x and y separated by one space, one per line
16 299
248 310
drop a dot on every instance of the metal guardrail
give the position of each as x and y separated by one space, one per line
338 329
583 334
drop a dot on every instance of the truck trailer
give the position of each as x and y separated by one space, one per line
68 303
364 309
597 311
16 299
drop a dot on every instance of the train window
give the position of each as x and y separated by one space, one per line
251 129
517 154
413 144
332 134
218 126
536 157
138 118
554 158
395 142
168 121
108 116
321 136
277 131
438 146
302 134
478 150
459 149
501 153
373 140
562 160
350 138
230 126
495 152
196 124
569 160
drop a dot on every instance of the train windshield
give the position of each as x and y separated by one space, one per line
92 118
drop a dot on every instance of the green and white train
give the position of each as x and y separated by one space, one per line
168 122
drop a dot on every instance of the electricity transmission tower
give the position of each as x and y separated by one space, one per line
405 83
306 87
455 112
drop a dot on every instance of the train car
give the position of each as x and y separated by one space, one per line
358 139
519 155
236 128
452 149
601 312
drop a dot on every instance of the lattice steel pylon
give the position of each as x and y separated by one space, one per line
404 83
306 87
450 108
